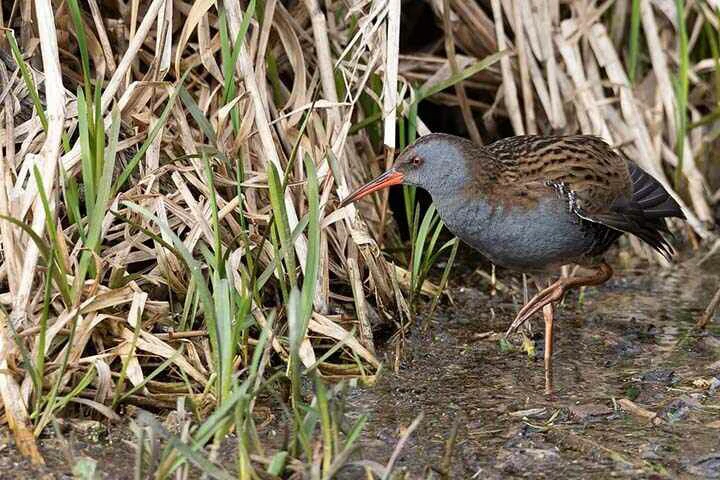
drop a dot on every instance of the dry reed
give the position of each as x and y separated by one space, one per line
320 83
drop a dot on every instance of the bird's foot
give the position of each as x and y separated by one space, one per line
556 291
551 294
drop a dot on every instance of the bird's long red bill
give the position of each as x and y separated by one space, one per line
387 179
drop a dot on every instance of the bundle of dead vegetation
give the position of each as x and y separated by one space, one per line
171 170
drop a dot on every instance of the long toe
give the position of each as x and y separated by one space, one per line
551 294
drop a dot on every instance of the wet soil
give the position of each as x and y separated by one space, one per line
85 446
630 340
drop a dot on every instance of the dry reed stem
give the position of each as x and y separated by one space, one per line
522 53
47 162
571 75
390 84
361 309
511 99
455 69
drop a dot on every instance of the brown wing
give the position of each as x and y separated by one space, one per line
584 164
600 185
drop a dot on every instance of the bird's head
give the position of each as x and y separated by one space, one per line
434 163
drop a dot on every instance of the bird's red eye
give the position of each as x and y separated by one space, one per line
416 161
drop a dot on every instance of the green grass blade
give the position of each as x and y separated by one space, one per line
98 130
219 267
197 114
277 463
295 337
87 163
410 192
634 45
224 317
71 194
27 78
313 253
97 215
120 385
42 334
325 424
419 244
76 16
148 378
51 400
133 163
445 275
239 39
51 228
282 227
682 86
354 434
432 254
460 76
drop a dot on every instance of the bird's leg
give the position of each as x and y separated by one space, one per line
555 292
548 314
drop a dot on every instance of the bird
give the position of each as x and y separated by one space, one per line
534 203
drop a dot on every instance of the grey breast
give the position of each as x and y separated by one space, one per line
524 239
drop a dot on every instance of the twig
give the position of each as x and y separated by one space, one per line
446 466
635 409
401 443
522 53
709 311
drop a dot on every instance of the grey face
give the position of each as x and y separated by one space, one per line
433 164
411 164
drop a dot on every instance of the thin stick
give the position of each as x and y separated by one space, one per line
401 443
709 311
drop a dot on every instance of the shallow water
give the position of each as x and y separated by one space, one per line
632 338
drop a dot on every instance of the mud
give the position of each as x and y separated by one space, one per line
630 340
626 352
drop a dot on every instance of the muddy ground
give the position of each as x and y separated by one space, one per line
631 339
